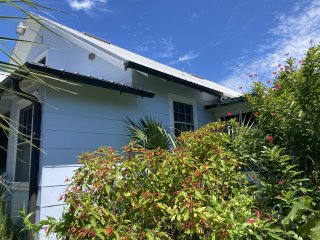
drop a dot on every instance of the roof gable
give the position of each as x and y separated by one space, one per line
120 57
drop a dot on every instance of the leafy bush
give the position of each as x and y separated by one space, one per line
6 230
282 149
195 192
290 111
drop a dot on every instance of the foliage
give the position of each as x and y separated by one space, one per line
282 149
290 111
281 188
6 231
148 133
198 191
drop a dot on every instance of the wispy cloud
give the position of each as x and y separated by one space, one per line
185 58
195 15
157 48
87 5
292 34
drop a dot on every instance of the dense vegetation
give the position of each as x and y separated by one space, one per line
224 181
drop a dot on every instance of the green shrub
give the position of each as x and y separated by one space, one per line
195 192
6 229
289 111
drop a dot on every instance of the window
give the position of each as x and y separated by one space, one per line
24 145
183 117
4 142
247 118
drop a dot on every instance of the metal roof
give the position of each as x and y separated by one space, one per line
124 56
225 102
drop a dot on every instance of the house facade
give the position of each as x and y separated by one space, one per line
96 85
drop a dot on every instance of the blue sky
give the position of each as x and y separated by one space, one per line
232 42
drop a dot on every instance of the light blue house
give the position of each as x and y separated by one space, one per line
108 83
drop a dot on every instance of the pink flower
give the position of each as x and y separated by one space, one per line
269 138
274 73
229 113
301 61
251 220
277 87
279 65
258 213
108 230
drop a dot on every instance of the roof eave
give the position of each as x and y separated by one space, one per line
89 80
171 78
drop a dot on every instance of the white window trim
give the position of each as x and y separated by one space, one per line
182 99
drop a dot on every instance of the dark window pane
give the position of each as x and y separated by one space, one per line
188 118
189 109
176 116
25 124
22 167
23 162
183 117
175 107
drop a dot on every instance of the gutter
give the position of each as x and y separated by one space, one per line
35 152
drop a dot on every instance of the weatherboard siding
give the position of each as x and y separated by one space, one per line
75 123
62 53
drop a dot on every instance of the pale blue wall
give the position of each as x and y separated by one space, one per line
94 117
63 54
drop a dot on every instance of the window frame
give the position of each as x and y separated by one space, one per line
21 143
184 100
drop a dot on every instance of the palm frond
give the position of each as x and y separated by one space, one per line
149 133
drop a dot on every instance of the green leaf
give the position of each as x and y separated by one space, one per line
315 232
199 195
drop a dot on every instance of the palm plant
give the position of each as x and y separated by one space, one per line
149 134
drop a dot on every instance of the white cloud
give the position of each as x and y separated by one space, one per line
87 5
157 48
185 58
195 15
292 35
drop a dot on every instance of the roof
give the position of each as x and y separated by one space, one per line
124 57
84 79
225 102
